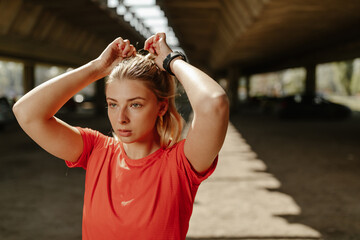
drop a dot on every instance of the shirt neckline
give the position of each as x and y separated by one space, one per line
140 161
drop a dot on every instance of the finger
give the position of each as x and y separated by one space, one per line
126 48
157 37
123 44
149 42
151 48
119 42
155 45
133 51
160 36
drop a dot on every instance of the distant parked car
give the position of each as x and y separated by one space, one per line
6 114
311 107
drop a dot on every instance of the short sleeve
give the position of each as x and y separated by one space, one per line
89 138
195 177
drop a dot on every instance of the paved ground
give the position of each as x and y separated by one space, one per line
236 201
275 180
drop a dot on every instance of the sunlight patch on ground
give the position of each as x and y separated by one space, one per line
241 199
353 102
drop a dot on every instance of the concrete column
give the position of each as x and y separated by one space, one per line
29 76
233 80
100 99
247 79
310 81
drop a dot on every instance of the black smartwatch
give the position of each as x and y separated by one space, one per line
169 58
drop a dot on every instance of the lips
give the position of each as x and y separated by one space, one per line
124 133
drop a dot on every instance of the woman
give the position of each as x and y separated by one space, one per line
141 184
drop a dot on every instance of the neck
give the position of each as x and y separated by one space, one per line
142 149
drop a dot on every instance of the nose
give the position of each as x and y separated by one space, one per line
123 116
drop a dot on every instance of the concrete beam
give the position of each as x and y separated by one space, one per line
29 76
233 75
310 81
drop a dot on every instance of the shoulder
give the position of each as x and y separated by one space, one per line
176 154
93 137
95 145
176 148
88 132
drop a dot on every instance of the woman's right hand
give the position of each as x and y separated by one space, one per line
52 134
114 53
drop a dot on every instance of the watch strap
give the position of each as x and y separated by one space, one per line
169 58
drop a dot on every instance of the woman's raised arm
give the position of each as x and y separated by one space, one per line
208 100
35 111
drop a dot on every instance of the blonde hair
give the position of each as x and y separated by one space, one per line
162 84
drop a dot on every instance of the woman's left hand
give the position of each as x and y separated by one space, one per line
157 46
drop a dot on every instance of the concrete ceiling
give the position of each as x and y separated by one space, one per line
252 35
68 32
263 35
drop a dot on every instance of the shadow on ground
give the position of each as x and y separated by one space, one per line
40 198
318 165
316 162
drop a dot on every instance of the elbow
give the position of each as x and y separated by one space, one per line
16 110
217 106
221 105
19 113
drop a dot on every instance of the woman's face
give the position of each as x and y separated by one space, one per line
133 110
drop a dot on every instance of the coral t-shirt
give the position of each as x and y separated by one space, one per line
148 198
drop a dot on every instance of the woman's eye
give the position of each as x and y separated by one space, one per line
136 105
112 105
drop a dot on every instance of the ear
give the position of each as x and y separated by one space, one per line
163 107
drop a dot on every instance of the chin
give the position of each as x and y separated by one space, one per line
125 140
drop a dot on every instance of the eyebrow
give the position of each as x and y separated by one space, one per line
129 100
